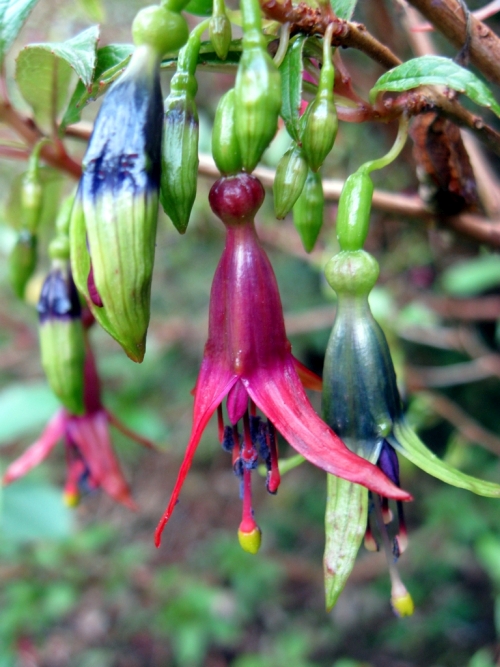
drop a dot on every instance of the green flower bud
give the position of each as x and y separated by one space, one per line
61 338
353 215
31 200
319 129
220 30
161 28
352 273
308 210
291 175
225 146
179 174
257 104
22 262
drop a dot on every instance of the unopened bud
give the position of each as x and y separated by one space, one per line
22 262
225 146
308 210
291 175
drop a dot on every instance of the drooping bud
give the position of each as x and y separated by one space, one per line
179 173
225 147
61 338
22 262
289 181
236 199
319 124
161 28
257 90
353 217
113 227
220 30
308 210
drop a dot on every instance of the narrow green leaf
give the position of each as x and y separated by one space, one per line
345 526
409 444
44 71
13 14
292 69
110 63
344 9
436 71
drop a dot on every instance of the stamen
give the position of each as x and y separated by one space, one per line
386 511
249 453
228 439
220 425
273 476
402 536
370 542
253 409
237 462
401 600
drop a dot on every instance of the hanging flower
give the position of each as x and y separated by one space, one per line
248 361
90 460
361 403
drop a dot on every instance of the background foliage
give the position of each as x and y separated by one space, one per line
87 587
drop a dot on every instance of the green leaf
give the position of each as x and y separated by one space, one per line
44 72
110 63
24 409
200 7
409 444
472 276
345 525
13 14
344 9
33 511
436 71
292 69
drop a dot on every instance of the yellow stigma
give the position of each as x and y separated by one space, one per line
403 605
71 498
250 541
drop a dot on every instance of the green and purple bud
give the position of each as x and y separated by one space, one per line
291 175
113 226
225 147
61 337
308 210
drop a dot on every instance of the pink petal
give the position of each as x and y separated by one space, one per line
90 434
213 384
39 450
237 403
279 394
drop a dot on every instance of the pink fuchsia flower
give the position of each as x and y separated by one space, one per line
248 361
90 460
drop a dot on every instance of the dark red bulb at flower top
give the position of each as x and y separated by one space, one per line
236 199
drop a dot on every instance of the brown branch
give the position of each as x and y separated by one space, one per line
314 21
448 17
55 155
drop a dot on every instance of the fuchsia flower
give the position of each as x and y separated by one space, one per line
248 361
91 462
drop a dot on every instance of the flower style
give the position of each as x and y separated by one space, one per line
361 403
248 362
90 460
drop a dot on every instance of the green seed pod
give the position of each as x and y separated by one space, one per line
220 30
320 127
225 146
61 338
179 173
353 215
257 104
308 210
291 175
319 124
22 262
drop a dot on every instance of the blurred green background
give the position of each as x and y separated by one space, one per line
87 588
